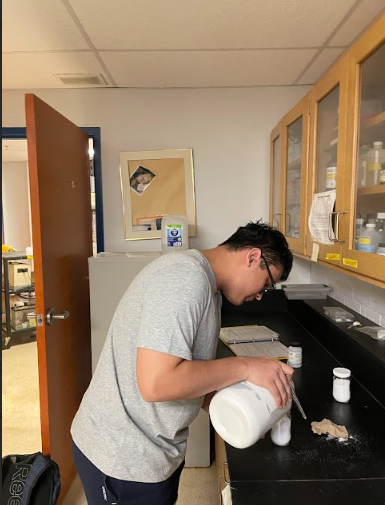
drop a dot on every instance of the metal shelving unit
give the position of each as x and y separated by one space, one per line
7 331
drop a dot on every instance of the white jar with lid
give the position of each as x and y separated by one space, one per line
369 239
341 384
242 413
294 358
331 177
281 432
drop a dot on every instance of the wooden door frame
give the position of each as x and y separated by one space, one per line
16 133
298 111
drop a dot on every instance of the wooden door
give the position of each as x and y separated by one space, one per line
328 120
294 145
364 197
62 242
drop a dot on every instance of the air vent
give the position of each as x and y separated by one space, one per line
81 80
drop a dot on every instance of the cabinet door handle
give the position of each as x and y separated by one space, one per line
276 220
336 238
288 225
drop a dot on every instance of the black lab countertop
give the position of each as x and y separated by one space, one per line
312 468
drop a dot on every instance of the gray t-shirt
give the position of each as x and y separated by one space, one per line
172 306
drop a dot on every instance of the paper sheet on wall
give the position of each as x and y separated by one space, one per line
319 219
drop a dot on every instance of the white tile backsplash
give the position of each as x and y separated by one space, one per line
360 296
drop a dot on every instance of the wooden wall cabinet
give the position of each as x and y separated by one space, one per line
340 119
289 159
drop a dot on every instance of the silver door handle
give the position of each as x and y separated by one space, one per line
288 225
337 238
52 316
276 220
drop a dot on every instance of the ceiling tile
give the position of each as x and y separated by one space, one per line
365 13
206 68
39 25
320 65
209 24
35 70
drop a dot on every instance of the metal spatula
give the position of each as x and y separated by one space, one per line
296 401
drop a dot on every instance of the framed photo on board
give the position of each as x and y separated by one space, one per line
156 183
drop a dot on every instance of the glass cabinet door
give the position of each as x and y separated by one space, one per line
276 180
327 142
364 251
293 179
327 158
369 229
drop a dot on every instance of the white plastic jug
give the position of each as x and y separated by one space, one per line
242 413
174 233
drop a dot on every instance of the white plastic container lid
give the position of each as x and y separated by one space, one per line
359 220
342 373
378 144
370 225
381 215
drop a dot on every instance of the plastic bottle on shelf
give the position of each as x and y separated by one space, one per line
331 177
380 224
361 167
369 239
375 158
174 233
359 228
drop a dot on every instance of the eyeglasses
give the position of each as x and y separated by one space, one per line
273 286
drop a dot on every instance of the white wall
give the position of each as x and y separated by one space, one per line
16 204
360 296
228 130
364 298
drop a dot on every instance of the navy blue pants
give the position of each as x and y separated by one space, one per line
103 490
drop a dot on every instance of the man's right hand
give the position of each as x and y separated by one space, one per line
273 375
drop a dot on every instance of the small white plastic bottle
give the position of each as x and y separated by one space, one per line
174 233
369 239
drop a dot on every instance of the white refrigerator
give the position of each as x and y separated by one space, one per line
110 274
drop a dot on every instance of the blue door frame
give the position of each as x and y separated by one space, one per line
94 133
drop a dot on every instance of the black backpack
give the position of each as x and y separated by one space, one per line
30 479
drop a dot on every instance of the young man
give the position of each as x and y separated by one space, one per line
158 366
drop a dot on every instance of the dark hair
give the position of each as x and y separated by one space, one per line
271 241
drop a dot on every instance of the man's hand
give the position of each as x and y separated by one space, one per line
272 375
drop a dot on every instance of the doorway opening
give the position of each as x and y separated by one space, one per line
21 427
